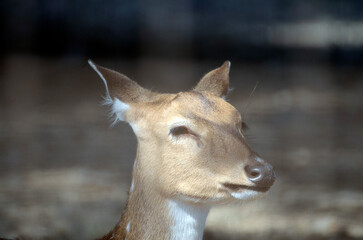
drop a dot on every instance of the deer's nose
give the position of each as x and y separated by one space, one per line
262 175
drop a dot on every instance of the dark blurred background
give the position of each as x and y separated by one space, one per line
252 31
64 173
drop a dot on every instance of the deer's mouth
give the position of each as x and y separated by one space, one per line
238 187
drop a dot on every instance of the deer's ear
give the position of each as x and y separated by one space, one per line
121 91
216 81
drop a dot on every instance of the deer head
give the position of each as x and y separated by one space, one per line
190 144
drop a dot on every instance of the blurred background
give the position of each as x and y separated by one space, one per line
65 173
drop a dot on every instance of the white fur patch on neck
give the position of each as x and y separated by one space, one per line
188 220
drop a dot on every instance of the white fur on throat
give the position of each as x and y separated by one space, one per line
188 220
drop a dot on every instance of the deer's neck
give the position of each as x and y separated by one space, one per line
188 220
149 215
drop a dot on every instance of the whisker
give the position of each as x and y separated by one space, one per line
249 100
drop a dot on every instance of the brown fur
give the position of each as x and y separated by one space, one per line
193 166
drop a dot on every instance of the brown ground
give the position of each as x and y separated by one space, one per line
64 173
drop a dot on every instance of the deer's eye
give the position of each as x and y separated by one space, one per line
182 131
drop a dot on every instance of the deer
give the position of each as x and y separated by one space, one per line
191 155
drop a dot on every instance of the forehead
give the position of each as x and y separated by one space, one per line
197 105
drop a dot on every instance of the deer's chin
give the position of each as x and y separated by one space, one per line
241 187
246 194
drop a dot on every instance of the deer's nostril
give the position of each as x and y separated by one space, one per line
253 173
